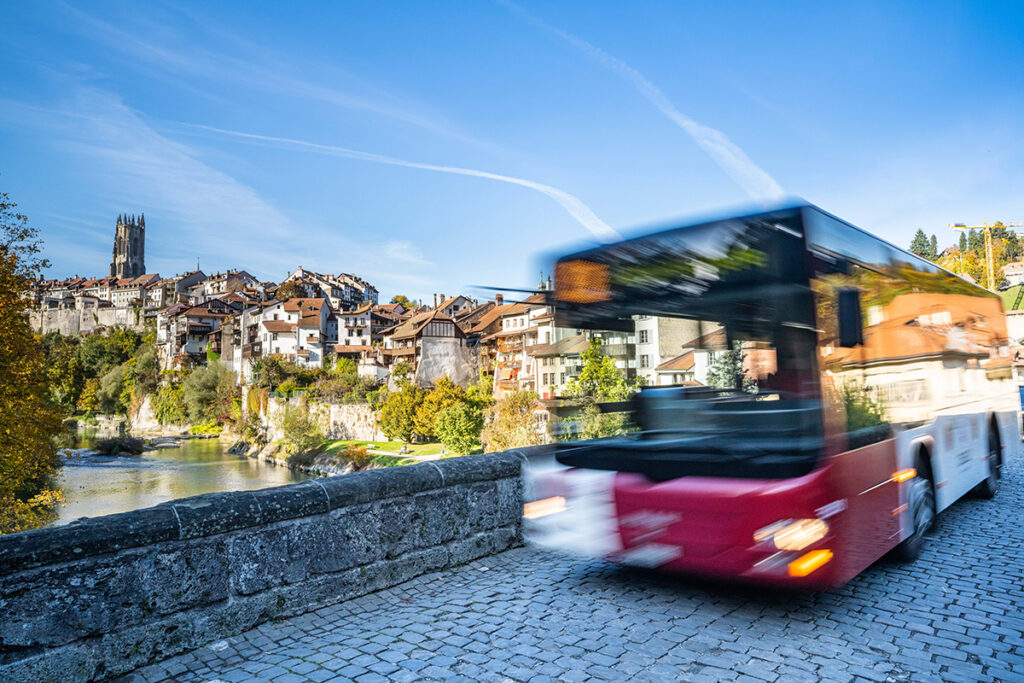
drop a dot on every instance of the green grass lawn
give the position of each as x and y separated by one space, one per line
433 448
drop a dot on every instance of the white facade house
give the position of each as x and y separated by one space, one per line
1014 273
298 330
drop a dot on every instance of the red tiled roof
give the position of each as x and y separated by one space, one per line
682 362
279 326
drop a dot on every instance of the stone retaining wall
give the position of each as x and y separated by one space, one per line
102 596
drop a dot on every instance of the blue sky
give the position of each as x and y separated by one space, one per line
432 146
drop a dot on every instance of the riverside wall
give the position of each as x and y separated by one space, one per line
99 597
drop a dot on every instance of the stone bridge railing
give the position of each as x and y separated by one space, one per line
102 596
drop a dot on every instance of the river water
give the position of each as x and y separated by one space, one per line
101 485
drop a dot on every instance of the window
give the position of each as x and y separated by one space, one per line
562 378
274 337
645 361
275 316
645 336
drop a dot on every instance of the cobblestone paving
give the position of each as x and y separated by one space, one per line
956 615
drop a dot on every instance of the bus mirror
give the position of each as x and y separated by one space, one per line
851 327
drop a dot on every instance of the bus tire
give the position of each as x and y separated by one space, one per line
921 505
989 487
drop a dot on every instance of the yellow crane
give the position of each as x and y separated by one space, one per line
990 261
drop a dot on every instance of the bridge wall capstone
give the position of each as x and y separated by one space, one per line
102 596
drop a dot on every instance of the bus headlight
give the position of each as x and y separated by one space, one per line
792 534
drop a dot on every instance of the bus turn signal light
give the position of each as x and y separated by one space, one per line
904 475
543 508
809 562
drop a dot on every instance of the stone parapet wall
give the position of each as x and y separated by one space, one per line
102 596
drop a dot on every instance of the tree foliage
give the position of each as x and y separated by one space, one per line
397 415
727 372
458 426
599 379
510 423
208 392
29 418
444 394
301 433
288 290
404 300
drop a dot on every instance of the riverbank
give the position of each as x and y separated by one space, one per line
330 459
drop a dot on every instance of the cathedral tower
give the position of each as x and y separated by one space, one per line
129 247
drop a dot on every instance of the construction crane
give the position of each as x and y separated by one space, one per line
990 261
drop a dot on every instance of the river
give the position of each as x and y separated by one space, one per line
100 485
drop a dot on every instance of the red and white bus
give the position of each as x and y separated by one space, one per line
817 397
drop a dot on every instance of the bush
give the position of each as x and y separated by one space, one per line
357 457
206 428
301 433
120 444
458 426
169 404
446 393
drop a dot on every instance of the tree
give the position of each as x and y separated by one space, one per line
401 372
727 372
208 392
146 372
919 245
404 300
109 393
933 248
976 242
288 290
300 431
445 393
599 379
397 418
29 419
458 426
963 241
63 369
511 423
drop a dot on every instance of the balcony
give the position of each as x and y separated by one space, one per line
252 350
619 350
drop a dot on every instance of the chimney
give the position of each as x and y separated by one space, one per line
435 299
549 283
499 299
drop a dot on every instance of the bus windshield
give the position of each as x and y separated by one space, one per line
725 314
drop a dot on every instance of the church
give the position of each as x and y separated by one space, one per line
129 247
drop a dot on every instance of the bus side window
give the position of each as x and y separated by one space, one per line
851 325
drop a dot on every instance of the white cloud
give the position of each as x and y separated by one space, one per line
572 204
757 183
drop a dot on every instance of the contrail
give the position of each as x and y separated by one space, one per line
733 160
577 209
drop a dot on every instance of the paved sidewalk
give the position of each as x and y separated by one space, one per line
957 614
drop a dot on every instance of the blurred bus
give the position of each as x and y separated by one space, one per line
827 395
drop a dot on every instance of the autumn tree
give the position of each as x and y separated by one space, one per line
444 394
288 290
510 423
404 300
29 419
397 416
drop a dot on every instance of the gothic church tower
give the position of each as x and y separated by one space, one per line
129 247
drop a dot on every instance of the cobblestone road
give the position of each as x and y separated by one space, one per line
956 614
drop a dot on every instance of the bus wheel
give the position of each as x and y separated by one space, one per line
921 502
990 486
